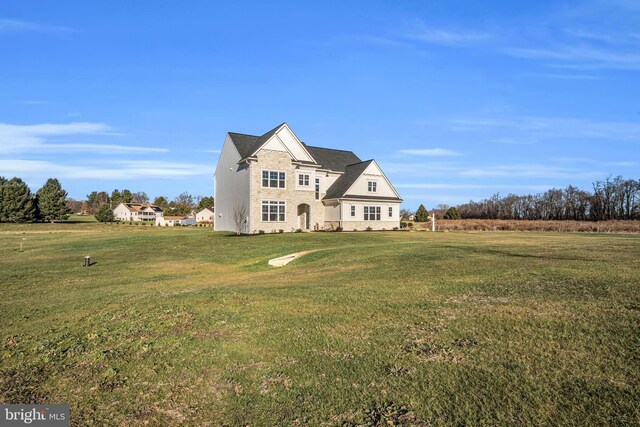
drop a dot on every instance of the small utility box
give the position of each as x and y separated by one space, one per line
87 261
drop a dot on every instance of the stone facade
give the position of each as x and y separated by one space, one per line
281 161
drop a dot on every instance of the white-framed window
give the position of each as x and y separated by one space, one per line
317 188
273 179
303 180
353 210
372 213
372 186
274 210
390 211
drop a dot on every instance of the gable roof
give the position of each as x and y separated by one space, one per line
248 144
327 158
344 182
137 207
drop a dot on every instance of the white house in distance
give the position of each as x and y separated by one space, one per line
205 216
137 212
276 182
171 221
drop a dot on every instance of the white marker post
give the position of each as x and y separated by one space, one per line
433 222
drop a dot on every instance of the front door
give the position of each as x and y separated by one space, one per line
304 212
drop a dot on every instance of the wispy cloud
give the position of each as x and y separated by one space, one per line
569 76
433 152
556 127
423 33
123 170
493 187
37 139
18 26
531 171
580 57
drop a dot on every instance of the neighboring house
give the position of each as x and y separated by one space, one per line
170 221
276 182
205 216
137 212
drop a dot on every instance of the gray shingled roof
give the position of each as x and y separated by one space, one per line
344 182
335 160
248 144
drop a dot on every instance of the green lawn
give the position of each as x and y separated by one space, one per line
187 326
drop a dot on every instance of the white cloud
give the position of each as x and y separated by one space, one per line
553 127
18 26
531 171
436 152
123 170
446 37
35 139
580 57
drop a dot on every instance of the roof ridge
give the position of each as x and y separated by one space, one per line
363 161
243 134
325 148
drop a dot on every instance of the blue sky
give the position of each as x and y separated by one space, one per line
456 101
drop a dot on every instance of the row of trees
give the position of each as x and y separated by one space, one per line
19 204
616 198
181 205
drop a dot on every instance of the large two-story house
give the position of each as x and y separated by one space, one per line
276 182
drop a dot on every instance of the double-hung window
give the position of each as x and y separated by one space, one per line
273 179
390 211
303 180
353 210
372 186
372 213
273 210
317 188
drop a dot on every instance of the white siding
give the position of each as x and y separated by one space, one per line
231 186
293 144
332 212
384 210
372 173
122 213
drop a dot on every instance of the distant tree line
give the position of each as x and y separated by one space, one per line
18 204
183 204
50 203
610 199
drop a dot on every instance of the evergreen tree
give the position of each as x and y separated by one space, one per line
116 198
205 202
452 213
52 201
105 214
3 184
421 214
95 200
17 202
126 196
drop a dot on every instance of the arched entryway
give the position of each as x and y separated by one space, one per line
304 216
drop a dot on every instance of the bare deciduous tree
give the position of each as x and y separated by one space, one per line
239 217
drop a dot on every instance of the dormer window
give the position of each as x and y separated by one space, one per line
372 186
